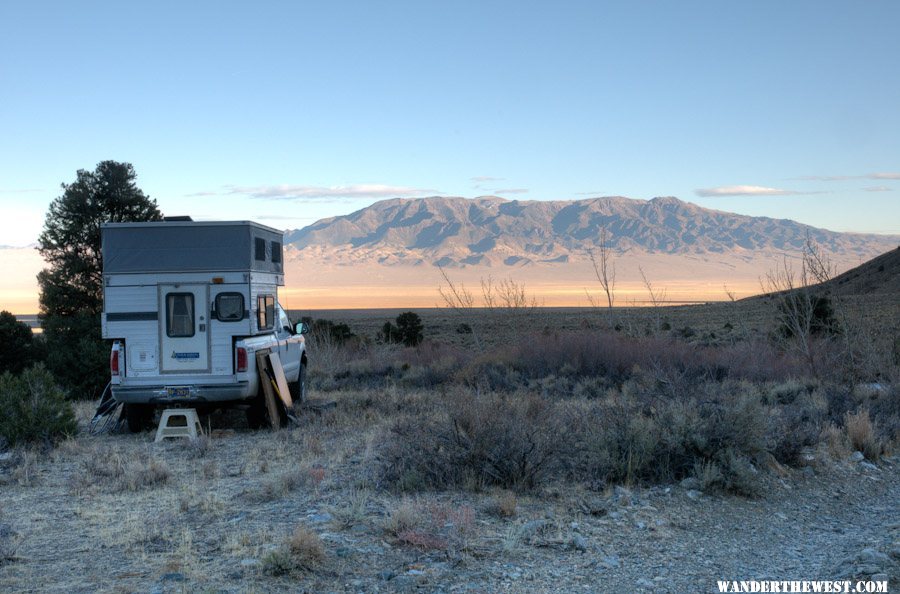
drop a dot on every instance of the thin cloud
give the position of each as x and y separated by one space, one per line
882 175
196 194
827 177
878 189
512 191
589 193
748 191
328 193
485 178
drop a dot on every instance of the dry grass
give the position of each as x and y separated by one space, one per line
355 509
306 548
25 470
506 504
277 487
862 434
116 473
303 551
836 442
430 525
404 517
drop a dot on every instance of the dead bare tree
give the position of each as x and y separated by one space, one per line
487 292
732 297
822 270
604 270
657 298
507 300
514 299
819 268
507 296
809 314
796 309
461 301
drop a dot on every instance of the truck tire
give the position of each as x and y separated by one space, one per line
139 417
298 388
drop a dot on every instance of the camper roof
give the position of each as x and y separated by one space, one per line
191 224
191 246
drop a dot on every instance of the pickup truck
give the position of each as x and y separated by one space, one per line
187 305
143 395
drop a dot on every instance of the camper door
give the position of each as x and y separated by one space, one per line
184 328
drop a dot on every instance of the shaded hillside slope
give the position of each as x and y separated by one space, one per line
880 275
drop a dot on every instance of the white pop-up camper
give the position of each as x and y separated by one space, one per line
188 304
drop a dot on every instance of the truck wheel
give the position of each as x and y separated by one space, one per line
298 388
139 417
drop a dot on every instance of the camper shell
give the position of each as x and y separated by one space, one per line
187 305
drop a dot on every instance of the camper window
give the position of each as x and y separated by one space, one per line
259 251
179 315
276 252
265 312
229 307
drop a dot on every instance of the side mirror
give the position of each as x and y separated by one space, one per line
300 328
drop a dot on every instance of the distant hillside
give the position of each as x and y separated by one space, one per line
492 231
879 275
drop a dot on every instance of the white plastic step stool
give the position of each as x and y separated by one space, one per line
191 429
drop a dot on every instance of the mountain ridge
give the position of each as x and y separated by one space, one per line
495 231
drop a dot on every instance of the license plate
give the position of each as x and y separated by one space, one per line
178 392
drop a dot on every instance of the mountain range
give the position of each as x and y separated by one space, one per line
395 251
493 231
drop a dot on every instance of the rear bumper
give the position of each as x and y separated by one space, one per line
196 393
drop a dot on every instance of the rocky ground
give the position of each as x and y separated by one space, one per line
118 513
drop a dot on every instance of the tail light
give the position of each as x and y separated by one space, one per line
114 360
241 359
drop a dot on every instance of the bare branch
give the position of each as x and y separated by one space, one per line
731 295
820 268
514 297
460 300
604 267
487 292
657 298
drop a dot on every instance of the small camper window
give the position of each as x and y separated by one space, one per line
259 251
179 315
265 312
276 252
229 307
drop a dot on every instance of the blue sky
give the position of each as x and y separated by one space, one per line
290 112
